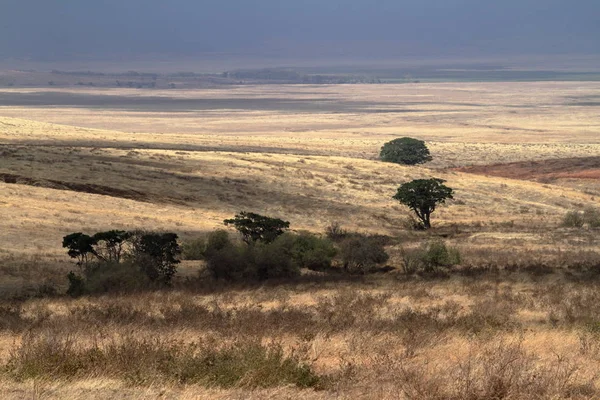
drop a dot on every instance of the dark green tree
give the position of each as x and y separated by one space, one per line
80 246
157 254
405 150
422 196
255 227
109 244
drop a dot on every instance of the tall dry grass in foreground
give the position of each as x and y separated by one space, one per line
491 335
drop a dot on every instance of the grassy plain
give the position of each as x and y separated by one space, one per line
523 325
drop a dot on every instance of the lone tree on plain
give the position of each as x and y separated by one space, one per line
405 150
256 227
422 196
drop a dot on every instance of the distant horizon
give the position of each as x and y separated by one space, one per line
221 62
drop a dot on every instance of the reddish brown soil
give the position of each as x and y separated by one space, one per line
547 170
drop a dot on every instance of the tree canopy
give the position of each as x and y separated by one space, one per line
405 150
256 227
422 196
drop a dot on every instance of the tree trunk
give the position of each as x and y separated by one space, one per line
426 220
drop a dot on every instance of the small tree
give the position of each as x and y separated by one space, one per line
109 244
156 254
80 246
255 227
405 150
422 196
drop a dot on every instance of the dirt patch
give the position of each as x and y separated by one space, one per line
76 187
541 171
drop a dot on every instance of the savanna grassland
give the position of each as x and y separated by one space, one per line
516 318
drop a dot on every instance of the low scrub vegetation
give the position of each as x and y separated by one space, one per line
147 361
430 257
577 219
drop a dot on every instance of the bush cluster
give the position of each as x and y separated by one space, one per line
430 257
258 261
579 219
362 254
121 261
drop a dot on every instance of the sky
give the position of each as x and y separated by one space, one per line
71 29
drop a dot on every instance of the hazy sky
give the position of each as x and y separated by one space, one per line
55 29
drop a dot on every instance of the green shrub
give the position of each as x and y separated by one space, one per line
437 254
591 216
113 277
232 263
429 257
279 259
362 254
273 261
198 248
573 219
76 285
216 241
307 250
193 249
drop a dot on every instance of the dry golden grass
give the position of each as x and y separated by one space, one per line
194 191
378 338
309 154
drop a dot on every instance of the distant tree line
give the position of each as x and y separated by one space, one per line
291 76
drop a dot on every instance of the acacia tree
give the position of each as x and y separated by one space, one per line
80 246
110 244
405 150
422 196
256 227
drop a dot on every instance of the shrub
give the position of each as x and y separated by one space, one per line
335 232
405 150
106 277
198 248
591 216
573 219
76 285
273 261
307 250
193 249
216 241
429 257
435 254
279 259
231 263
361 254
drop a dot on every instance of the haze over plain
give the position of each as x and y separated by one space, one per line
53 30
